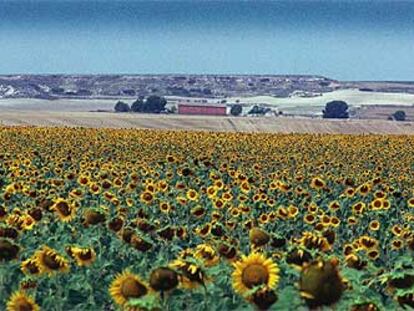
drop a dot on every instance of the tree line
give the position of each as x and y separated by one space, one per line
151 104
336 109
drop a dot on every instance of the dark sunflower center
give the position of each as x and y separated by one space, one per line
85 255
254 275
131 288
24 305
8 251
318 183
32 268
51 262
163 279
63 208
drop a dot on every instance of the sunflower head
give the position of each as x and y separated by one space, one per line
191 274
30 266
64 210
49 261
206 254
253 271
258 237
82 256
125 286
8 250
163 279
320 283
227 251
93 217
298 258
19 301
264 298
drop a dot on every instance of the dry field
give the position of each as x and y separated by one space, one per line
383 112
242 124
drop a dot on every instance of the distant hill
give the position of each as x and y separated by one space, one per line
132 86
103 86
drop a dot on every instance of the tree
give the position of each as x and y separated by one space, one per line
399 115
120 106
257 110
336 109
155 104
137 106
236 110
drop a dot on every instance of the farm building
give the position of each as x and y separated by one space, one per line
202 109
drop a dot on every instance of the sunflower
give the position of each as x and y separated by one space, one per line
191 275
258 237
354 261
358 208
264 218
325 220
368 242
293 211
334 205
312 241
94 188
350 192
397 244
377 204
19 301
252 271
373 254
29 266
8 250
76 193
181 233
364 189
82 256
320 283
335 221
65 211
116 224
206 254
28 222
49 261
374 225
204 231
263 298
83 180
234 212
165 207
396 230
245 187
163 279
352 220
410 202
198 211
309 218
219 203
317 183
298 258
147 197
125 286
211 192
227 251
192 195
93 217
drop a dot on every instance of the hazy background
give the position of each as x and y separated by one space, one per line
348 40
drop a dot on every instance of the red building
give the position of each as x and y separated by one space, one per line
202 109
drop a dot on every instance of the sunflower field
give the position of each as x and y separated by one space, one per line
105 219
